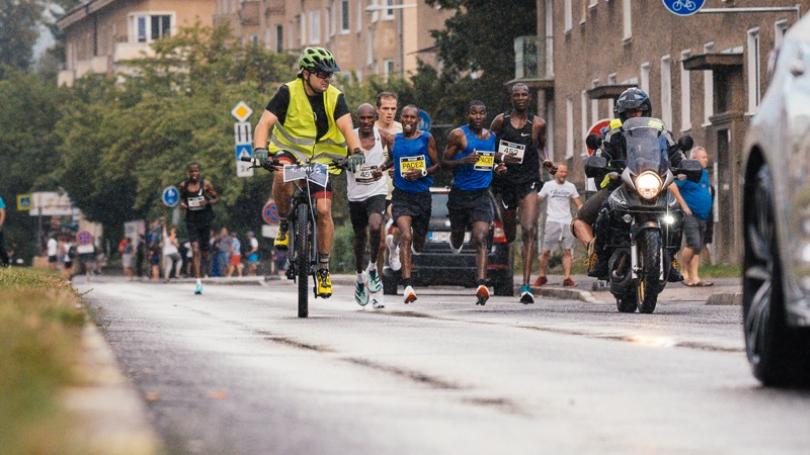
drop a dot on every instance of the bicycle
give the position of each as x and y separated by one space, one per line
302 222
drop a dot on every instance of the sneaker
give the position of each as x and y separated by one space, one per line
374 282
324 284
410 294
198 288
526 296
360 294
282 241
569 283
482 293
393 253
377 304
541 280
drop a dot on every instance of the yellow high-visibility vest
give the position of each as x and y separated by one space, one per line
298 132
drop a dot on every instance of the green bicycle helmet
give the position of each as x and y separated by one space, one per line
318 59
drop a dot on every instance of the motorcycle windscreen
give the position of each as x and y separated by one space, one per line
647 145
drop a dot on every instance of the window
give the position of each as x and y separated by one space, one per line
708 89
145 28
627 19
569 128
344 16
644 79
594 104
330 20
753 70
779 29
666 90
314 27
375 15
302 22
686 95
279 38
583 117
389 12
370 48
359 18
569 15
611 101
388 68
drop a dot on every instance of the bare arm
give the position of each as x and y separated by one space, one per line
434 156
539 138
213 196
182 187
577 202
677 193
346 126
262 132
456 142
2 218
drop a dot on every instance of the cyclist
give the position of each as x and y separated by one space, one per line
470 154
197 195
521 142
414 159
310 120
367 189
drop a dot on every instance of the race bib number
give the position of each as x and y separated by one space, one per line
365 175
196 202
406 163
485 162
513 148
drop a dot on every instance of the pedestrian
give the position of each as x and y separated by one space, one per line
557 234
253 253
140 256
127 250
68 253
695 199
171 254
87 259
53 252
235 254
4 261
223 251
155 254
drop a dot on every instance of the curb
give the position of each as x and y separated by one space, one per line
566 294
113 418
727 298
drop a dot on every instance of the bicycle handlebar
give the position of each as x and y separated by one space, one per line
274 164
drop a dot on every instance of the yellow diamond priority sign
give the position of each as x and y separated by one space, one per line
241 111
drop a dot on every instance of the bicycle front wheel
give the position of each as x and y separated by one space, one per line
302 264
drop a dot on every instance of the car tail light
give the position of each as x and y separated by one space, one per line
498 234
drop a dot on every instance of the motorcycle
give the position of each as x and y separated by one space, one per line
642 218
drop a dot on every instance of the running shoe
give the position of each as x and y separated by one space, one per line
393 253
282 241
324 284
526 296
198 287
410 294
360 293
377 303
569 283
482 293
541 280
374 282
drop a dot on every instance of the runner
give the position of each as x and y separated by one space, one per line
197 195
386 113
310 120
521 142
414 160
367 189
470 153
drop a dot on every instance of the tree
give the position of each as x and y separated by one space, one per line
19 20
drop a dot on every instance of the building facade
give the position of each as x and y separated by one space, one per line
705 74
100 34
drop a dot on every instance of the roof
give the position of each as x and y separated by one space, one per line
609 92
80 11
713 61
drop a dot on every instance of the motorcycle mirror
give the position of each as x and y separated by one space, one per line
595 167
692 169
593 141
685 143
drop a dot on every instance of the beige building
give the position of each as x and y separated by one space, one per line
100 34
368 37
705 74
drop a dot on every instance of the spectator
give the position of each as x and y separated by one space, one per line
68 253
127 250
695 199
224 246
558 195
235 256
155 255
53 252
4 261
252 253
171 253
87 260
187 254
140 256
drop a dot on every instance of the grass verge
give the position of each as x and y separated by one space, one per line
40 341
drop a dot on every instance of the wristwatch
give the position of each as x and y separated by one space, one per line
424 173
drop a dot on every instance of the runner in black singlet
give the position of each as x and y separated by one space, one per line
196 197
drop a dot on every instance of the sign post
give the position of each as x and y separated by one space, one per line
243 138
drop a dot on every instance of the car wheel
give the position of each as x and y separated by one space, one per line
389 282
777 353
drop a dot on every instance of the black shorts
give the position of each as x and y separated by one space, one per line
415 205
201 233
694 230
52 259
467 207
510 194
359 211
590 209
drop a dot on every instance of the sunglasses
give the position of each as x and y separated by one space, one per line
323 75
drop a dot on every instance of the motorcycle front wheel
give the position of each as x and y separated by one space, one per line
649 281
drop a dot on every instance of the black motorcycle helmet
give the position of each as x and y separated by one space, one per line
633 99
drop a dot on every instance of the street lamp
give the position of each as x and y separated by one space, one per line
400 28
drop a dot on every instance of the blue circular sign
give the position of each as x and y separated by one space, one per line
424 121
270 213
171 196
683 7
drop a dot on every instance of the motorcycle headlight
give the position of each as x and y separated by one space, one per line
648 185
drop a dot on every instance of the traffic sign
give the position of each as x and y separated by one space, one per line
424 121
24 202
683 7
84 238
241 111
242 133
270 213
170 196
243 169
596 130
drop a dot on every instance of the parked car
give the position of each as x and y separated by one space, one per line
437 265
776 220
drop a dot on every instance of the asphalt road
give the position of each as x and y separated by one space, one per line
234 371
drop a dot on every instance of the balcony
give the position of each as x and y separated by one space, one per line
534 61
129 51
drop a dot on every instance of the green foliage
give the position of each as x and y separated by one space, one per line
18 31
